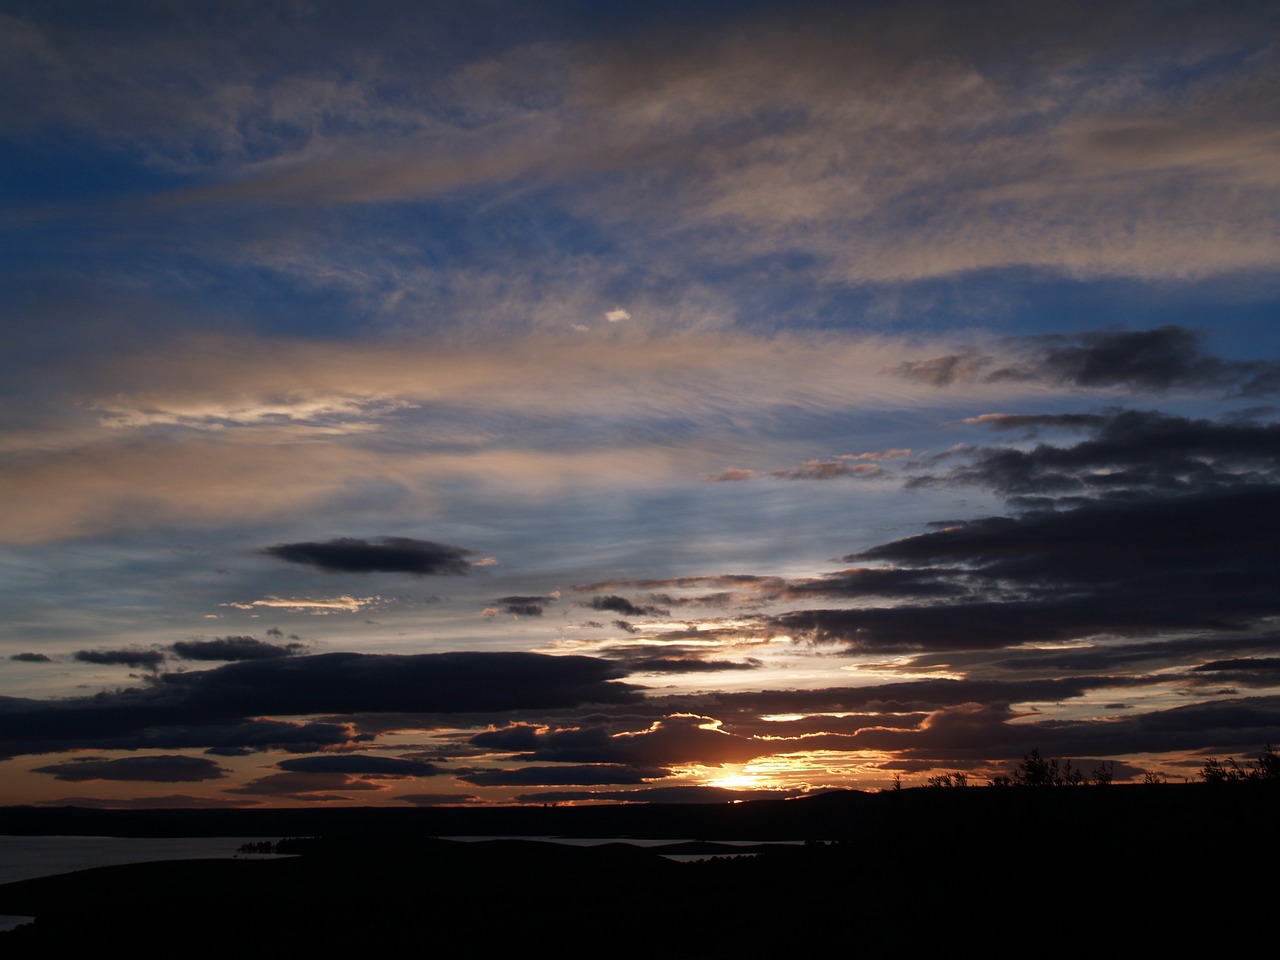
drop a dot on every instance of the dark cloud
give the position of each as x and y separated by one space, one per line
162 769
616 604
234 648
361 765
107 723
30 658
1162 359
380 555
877 581
828 470
1102 569
970 733
667 741
980 625
1166 358
815 727
1229 725
137 658
907 696
523 609
522 606
516 736
222 704
639 663
1239 671
1163 532
425 683
1144 655
1132 453
567 774
1204 542
312 787
1270 664
732 580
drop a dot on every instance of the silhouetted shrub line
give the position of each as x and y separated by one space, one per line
1033 770
1265 768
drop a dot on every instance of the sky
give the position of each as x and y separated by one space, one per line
486 402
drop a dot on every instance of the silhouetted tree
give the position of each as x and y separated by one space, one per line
1266 767
1036 771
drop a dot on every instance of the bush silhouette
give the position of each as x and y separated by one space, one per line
1034 770
1265 768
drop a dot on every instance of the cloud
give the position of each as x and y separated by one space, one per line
1144 656
828 470
423 683
906 696
1131 452
638 662
312 787
1123 568
670 740
224 706
160 769
945 371
233 648
976 731
361 765
727 180
876 581
480 416
1161 359
385 555
616 604
577 775
316 605
99 724
30 658
818 469
1080 144
526 606
133 657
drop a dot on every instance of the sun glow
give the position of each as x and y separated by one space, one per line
741 780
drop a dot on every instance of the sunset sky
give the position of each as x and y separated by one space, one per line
416 403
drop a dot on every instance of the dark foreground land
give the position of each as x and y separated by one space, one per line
1012 870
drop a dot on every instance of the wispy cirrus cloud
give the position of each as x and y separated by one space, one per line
316 605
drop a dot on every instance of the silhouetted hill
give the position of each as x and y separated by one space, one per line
1015 869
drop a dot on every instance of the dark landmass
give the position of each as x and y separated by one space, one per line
1017 870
